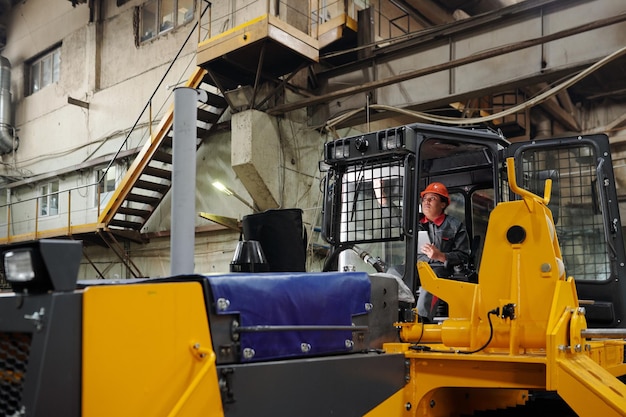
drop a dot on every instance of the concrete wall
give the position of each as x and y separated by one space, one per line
102 66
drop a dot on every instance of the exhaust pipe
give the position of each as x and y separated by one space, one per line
182 239
8 141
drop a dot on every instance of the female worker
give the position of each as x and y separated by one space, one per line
449 243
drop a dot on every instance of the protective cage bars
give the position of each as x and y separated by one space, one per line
579 222
371 202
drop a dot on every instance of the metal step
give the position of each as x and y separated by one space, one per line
163 156
126 224
158 172
151 180
152 186
138 198
144 214
216 100
208 116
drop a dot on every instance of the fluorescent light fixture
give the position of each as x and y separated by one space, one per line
222 188
230 192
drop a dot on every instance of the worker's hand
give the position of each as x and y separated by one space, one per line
433 253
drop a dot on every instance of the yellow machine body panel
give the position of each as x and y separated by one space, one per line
519 328
144 356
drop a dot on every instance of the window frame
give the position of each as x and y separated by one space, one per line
101 189
44 70
158 26
49 193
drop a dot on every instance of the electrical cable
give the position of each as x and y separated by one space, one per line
468 352
462 121
422 348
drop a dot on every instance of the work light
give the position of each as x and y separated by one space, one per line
18 265
44 265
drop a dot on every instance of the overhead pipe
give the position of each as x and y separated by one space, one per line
7 131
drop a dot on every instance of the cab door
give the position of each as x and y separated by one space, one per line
586 213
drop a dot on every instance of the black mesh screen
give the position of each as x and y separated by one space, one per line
371 203
575 206
14 353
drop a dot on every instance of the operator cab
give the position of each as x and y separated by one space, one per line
372 194
372 203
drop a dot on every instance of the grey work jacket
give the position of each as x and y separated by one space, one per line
450 238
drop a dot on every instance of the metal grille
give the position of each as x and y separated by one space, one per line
14 354
371 203
574 204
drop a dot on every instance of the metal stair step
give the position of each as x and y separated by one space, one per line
162 156
152 186
138 198
134 212
152 182
207 116
158 172
202 133
126 224
216 100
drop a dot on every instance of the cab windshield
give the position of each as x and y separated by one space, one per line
371 217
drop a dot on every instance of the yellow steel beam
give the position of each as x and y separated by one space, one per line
51 233
589 388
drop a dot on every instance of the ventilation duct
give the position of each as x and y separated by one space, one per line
7 132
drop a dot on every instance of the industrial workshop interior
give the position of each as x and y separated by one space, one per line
211 208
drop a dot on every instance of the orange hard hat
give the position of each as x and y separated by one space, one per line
437 188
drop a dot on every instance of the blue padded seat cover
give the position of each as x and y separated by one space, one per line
289 299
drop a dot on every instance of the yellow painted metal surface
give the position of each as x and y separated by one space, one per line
51 233
147 352
262 28
520 328
588 388
520 269
335 29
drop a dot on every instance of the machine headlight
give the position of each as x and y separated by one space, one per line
339 149
44 265
18 266
391 139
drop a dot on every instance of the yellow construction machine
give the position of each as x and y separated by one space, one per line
518 323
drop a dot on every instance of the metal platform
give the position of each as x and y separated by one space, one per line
264 47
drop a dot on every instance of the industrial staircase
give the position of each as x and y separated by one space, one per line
149 178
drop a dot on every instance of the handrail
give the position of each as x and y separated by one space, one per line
25 222
66 228
201 354
525 194
156 89
95 211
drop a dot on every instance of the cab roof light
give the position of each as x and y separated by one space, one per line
339 149
391 139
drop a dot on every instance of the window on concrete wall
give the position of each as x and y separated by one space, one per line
106 183
49 200
44 70
161 16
